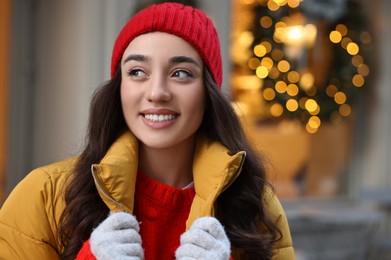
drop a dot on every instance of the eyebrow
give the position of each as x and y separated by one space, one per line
184 59
136 57
173 60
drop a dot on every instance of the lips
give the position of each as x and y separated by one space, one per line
159 115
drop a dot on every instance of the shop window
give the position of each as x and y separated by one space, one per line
299 70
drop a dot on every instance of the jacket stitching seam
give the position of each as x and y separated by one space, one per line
35 240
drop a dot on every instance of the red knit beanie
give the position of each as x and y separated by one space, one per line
183 21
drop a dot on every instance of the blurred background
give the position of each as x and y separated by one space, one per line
310 79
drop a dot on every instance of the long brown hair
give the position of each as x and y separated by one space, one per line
239 208
85 209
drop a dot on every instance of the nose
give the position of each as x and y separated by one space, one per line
158 91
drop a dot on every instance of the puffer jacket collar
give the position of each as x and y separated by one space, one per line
214 169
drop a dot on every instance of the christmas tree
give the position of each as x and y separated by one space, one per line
312 58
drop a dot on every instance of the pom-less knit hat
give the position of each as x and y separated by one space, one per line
186 22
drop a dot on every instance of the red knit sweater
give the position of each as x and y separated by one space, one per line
162 211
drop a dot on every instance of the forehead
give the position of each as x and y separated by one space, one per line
161 44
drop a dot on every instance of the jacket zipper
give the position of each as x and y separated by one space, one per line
100 188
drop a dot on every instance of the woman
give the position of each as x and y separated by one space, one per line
166 172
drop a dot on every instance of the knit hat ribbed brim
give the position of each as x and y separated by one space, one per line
186 22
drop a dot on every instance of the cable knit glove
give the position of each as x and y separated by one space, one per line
205 239
117 237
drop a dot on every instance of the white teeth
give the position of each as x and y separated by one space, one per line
159 118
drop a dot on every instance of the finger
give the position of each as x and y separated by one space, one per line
190 251
124 236
133 250
198 237
115 236
120 220
210 225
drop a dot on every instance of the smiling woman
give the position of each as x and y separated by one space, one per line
164 145
166 83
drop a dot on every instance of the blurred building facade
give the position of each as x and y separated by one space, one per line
335 184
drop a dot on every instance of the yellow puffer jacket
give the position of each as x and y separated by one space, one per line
30 216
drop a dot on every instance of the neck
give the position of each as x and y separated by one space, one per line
171 166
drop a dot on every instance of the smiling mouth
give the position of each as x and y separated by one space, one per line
159 118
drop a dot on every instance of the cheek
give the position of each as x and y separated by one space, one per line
198 102
123 96
128 99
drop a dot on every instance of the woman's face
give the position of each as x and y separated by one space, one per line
162 89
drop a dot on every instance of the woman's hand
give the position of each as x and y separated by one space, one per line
117 237
206 239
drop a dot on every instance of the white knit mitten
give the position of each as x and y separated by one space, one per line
117 237
205 239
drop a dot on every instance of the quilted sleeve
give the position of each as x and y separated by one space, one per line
283 249
29 218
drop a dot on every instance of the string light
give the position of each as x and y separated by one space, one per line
293 89
278 58
335 36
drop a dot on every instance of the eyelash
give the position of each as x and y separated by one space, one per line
188 73
133 72
176 73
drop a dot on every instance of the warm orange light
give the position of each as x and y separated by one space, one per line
277 54
267 62
266 22
292 105
253 63
307 80
335 36
345 41
345 110
293 3
276 110
342 29
292 90
283 66
267 46
293 76
314 122
279 31
300 35
280 2
331 90
269 94
273 6
310 129
274 73
352 48
358 80
315 112
363 70
261 72
311 105
260 50
280 86
357 60
340 97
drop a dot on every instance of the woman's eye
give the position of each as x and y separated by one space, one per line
136 73
182 74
